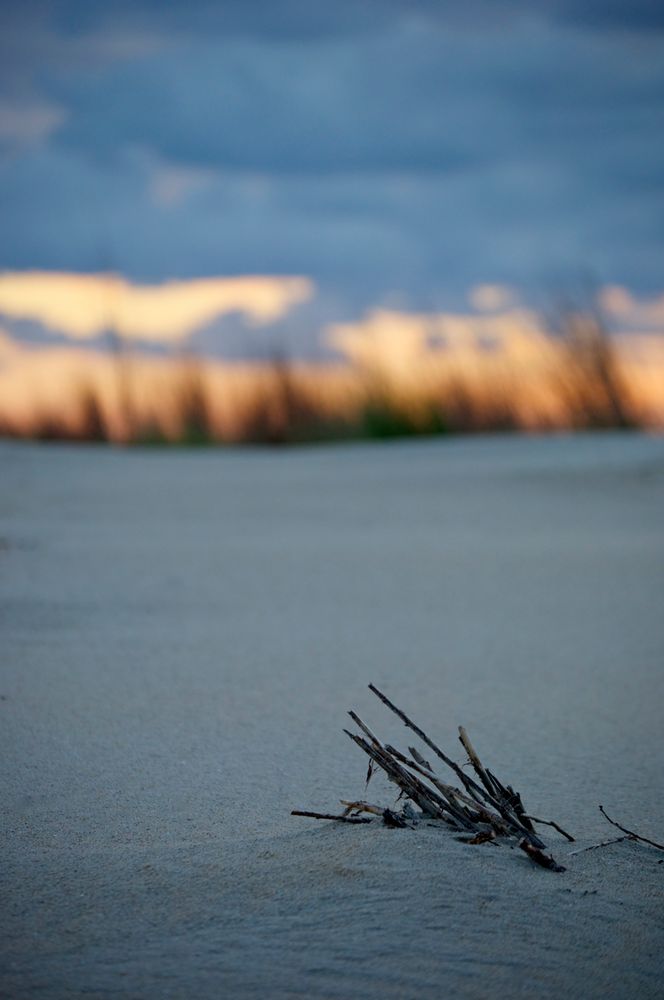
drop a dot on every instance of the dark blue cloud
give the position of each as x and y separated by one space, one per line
387 104
378 146
410 100
314 19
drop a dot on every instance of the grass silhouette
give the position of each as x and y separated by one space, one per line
282 402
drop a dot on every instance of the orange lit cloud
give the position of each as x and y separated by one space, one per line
396 342
84 306
389 340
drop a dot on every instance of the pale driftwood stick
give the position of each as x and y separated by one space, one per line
593 847
471 786
339 819
630 833
428 801
549 822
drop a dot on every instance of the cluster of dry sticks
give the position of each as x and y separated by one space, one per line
485 810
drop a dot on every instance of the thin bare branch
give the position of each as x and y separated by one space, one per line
365 729
593 847
339 819
550 822
630 833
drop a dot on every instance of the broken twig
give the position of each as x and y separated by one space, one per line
488 837
540 858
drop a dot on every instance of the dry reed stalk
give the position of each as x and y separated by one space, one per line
485 811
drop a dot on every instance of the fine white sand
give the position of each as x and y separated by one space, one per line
182 633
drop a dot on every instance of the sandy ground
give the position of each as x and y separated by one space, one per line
182 633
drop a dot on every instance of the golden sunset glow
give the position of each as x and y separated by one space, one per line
507 354
84 306
489 361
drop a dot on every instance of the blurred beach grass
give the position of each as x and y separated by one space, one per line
575 380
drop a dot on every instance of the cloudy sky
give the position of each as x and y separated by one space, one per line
394 152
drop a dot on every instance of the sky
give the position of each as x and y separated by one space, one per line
393 154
